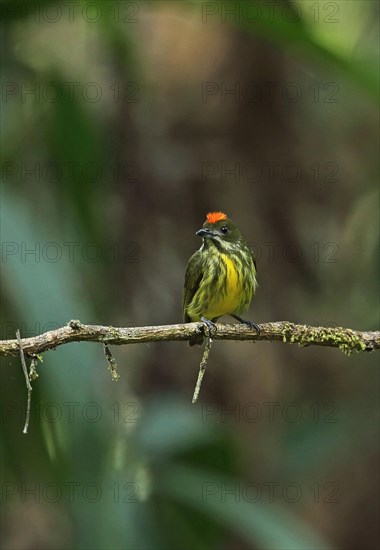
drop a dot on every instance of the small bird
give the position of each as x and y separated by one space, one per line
220 277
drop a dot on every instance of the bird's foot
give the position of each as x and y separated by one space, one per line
210 327
251 324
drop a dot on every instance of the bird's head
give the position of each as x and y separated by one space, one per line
220 229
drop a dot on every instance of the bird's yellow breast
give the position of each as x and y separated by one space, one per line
228 297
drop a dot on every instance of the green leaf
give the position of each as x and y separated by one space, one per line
270 527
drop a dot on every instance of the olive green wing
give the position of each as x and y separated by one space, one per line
254 261
193 277
253 257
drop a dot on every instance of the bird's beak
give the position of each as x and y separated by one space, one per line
206 233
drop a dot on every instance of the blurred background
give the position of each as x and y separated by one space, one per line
123 124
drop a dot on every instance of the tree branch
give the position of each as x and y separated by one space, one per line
345 339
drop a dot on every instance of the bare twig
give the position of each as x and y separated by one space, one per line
33 374
345 339
28 384
112 365
202 368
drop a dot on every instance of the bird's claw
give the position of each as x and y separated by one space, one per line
210 327
251 324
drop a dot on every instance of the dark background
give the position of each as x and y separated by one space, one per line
123 124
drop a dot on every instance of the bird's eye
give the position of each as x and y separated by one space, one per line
224 229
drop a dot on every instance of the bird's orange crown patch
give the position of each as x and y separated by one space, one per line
213 217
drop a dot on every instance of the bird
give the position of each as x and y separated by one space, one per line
220 278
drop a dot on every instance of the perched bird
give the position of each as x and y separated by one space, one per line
220 277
